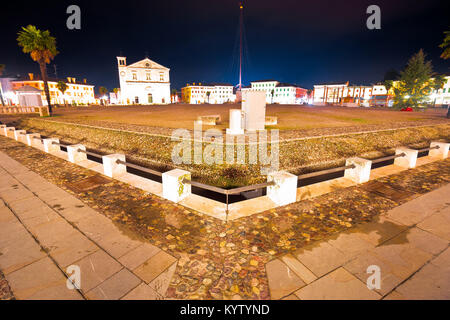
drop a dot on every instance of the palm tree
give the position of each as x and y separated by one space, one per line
42 48
208 94
446 46
102 91
62 86
438 83
272 92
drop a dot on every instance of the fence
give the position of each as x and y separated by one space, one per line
281 187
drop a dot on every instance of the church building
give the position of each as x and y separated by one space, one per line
143 82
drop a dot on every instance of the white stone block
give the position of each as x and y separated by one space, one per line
409 160
110 166
361 172
9 132
3 129
49 147
31 141
173 187
442 152
254 110
17 134
284 191
74 155
235 122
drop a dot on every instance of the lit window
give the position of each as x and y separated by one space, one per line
134 76
148 77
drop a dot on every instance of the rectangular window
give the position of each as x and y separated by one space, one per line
161 76
148 77
134 76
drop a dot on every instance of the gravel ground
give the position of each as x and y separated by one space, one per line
227 260
296 157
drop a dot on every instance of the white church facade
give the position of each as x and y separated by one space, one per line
143 82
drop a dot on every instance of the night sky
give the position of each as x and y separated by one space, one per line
302 42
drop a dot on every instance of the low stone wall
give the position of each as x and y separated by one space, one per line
176 184
43 111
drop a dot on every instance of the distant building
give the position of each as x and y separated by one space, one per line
380 96
29 96
143 82
7 96
218 93
77 93
277 92
441 96
342 93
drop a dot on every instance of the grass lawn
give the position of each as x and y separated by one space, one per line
298 156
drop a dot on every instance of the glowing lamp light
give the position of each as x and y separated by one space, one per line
407 97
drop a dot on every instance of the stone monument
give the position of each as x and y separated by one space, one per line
254 110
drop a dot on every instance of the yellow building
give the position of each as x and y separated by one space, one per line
77 93
217 93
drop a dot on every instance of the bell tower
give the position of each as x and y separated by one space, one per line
122 65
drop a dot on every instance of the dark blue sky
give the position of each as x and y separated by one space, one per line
303 42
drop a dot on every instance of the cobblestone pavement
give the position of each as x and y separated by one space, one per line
5 290
217 260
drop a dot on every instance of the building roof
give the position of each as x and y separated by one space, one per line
332 84
147 63
268 80
50 79
28 89
284 84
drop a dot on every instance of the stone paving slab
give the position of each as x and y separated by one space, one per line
282 281
143 292
115 287
321 258
96 268
338 285
438 224
55 231
138 256
153 267
41 280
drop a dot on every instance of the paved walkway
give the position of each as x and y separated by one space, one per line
44 230
409 244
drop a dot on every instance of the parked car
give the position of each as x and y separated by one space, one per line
408 109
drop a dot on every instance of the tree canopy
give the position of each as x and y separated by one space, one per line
446 46
415 83
39 44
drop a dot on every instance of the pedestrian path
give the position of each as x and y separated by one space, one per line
409 245
45 232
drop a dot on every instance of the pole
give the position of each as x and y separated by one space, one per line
241 24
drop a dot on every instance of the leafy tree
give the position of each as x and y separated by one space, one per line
446 46
388 84
62 86
437 84
415 83
42 48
